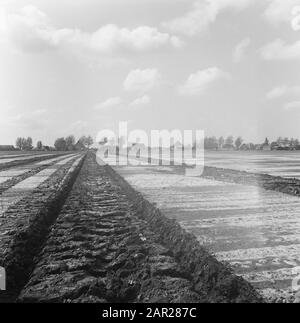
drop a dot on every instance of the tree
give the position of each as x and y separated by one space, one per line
86 141
19 143
28 143
82 140
229 140
266 143
89 141
39 145
238 142
70 142
60 144
221 142
252 146
279 140
24 144
286 141
210 143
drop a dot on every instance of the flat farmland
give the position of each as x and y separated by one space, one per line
254 230
276 163
71 231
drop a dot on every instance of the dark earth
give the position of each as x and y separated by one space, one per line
91 238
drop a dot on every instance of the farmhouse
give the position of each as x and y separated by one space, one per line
6 147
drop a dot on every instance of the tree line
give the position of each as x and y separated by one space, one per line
218 143
68 143
238 143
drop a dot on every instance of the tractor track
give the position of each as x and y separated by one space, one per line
24 225
26 174
21 162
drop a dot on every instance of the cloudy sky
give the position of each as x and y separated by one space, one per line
78 66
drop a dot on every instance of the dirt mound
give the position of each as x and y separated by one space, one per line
289 186
212 280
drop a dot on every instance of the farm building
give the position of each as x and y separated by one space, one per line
6 147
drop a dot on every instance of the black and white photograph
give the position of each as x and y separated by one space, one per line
149 154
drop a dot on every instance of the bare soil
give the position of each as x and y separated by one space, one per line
109 244
268 182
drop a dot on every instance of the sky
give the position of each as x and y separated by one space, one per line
228 67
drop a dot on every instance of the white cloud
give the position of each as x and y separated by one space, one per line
283 90
202 15
240 50
144 100
28 120
109 104
111 37
78 126
294 105
279 50
280 11
31 30
142 80
199 82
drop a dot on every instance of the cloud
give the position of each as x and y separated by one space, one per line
142 80
28 120
111 37
281 91
294 105
79 126
144 100
240 50
109 104
280 11
201 81
31 30
202 15
279 50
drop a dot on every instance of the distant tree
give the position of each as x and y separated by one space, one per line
86 141
238 142
19 143
279 141
286 141
60 144
28 143
221 142
210 143
266 142
70 142
89 141
24 144
39 145
82 140
229 140
252 146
